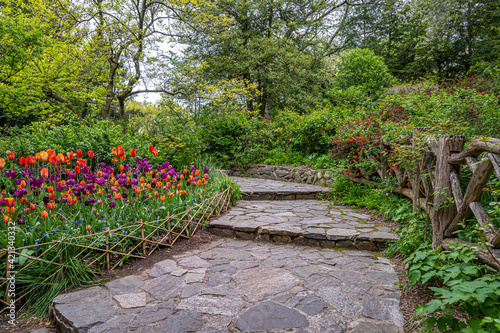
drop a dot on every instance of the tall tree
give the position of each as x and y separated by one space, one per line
276 49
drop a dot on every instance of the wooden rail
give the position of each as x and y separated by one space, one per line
435 184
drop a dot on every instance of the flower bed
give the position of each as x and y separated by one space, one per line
65 217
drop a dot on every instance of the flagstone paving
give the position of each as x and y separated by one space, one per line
243 285
303 222
266 189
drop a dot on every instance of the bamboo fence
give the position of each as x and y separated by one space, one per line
143 239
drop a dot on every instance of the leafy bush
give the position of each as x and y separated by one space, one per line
460 284
362 69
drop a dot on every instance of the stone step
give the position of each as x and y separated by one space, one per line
265 189
302 222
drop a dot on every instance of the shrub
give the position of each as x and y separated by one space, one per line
362 69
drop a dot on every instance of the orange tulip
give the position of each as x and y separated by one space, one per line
2 164
89 227
61 158
6 219
162 198
51 152
91 154
133 152
11 156
45 214
142 180
32 207
82 182
179 186
44 172
121 168
75 200
197 173
114 160
53 160
24 201
99 174
10 202
70 155
38 157
137 190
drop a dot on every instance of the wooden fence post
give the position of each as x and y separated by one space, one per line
444 210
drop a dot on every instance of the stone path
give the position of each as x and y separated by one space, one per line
239 285
265 189
303 222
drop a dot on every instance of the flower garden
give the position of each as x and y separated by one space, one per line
66 217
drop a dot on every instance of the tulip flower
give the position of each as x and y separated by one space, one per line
79 153
91 154
44 156
44 173
77 170
133 152
51 206
30 160
51 152
70 155
32 207
137 190
2 164
45 214
88 227
179 186
11 156
61 158
22 162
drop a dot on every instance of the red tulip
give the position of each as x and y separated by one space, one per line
120 151
30 160
45 214
22 162
11 156
91 154
70 155
77 170
2 164
79 153
133 152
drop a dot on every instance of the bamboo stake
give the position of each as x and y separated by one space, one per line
142 236
7 275
107 248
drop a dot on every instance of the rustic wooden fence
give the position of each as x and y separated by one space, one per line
434 184
106 247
